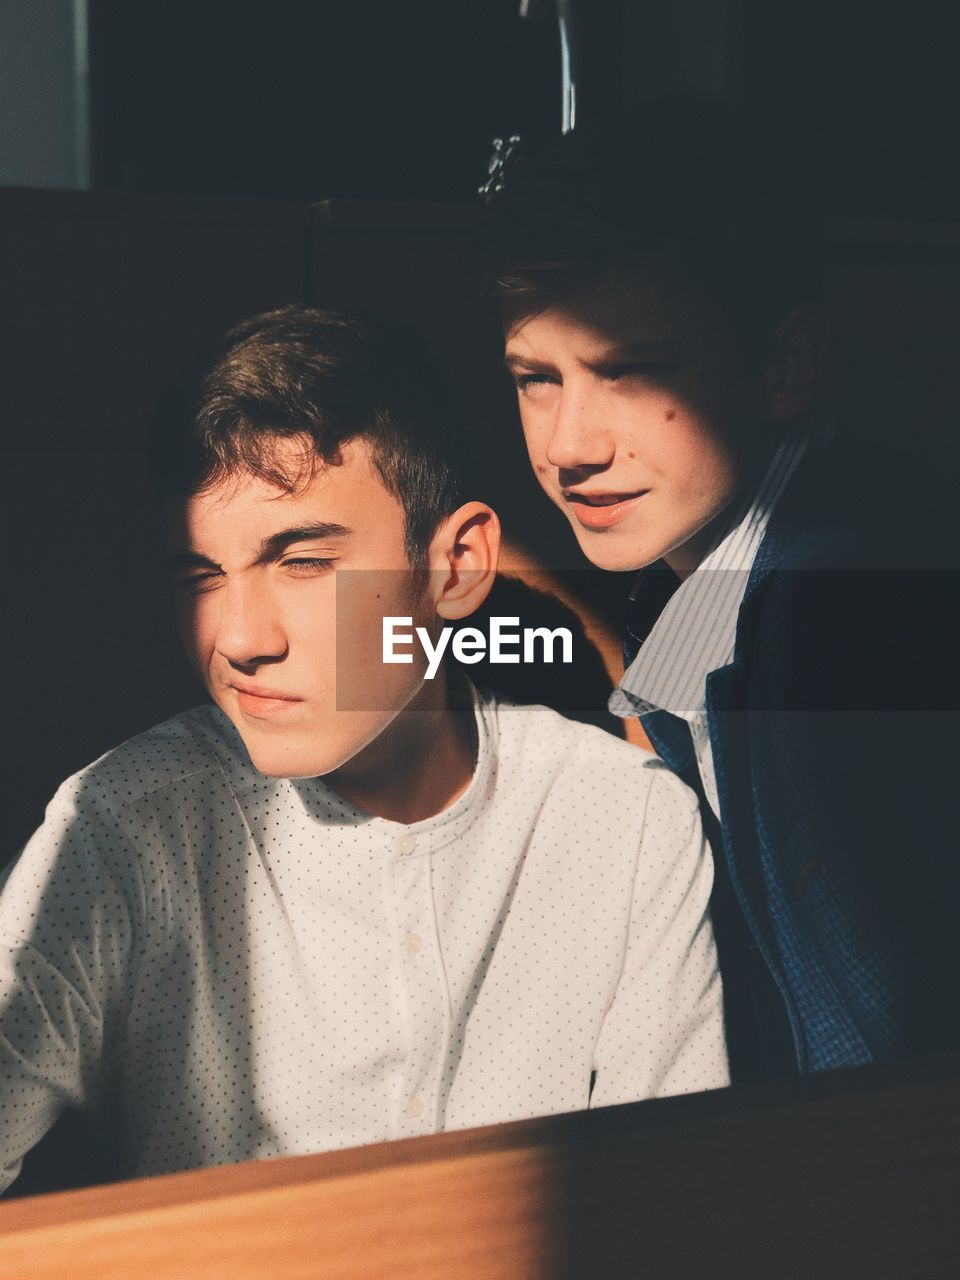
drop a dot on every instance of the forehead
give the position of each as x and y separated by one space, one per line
244 507
639 308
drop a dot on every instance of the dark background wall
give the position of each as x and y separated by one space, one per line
311 99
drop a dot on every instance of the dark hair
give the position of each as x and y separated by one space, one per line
325 377
684 187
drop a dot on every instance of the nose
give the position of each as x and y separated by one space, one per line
250 632
579 439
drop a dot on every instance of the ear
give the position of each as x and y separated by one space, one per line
794 371
464 555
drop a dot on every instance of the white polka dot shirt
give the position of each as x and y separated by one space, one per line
219 966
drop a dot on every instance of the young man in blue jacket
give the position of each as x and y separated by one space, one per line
788 642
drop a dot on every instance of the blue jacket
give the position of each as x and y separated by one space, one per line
836 741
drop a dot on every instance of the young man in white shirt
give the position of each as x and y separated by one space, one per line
345 903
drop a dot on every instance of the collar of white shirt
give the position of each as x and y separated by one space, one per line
696 632
329 809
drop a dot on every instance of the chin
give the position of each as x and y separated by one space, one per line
290 768
617 554
294 769
284 760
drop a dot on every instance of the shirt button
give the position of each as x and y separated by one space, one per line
415 1107
405 844
414 942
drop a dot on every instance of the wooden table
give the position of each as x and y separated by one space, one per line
851 1174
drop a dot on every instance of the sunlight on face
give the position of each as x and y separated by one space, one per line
255 569
635 410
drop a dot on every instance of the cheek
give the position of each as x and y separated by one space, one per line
693 462
310 630
365 597
534 433
197 631
536 441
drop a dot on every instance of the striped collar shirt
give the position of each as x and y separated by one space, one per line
696 631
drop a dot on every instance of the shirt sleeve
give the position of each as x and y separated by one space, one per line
65 942
663 1032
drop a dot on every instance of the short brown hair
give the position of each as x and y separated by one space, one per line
684 186
325 377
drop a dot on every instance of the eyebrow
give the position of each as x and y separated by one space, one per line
181 560
527 362
637 349
269 547
300 533
642 348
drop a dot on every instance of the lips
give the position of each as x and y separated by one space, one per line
261 703
602 510
599 499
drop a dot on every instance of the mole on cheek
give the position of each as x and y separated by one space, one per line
671 414
631 454
540 469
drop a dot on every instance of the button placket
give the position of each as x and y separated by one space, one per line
425 984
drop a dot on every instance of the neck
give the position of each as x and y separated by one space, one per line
686 559
421 763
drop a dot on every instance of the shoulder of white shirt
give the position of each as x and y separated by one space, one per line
202 741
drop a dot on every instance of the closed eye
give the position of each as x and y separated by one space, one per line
307 566
197 583
530 382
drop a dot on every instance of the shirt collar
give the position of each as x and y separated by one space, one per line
328 809
695 632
